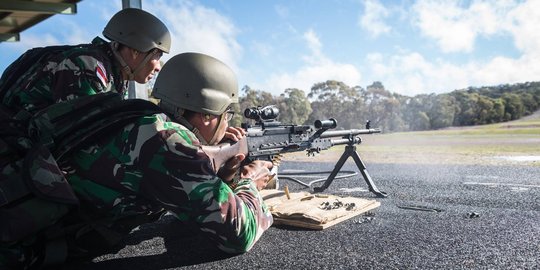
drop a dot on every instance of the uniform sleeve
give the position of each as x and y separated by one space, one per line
181 178
61 76
79 75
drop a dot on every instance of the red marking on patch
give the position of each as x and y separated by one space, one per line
102 74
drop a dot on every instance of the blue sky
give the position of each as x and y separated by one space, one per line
412 47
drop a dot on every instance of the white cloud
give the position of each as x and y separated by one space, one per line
315 46
372 20
316 68
456 28
305 77
523 23
412 74
406 73
195 28
507 70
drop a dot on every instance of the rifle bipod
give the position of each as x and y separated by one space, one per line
350 151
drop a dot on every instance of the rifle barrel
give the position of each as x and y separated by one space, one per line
355 140
349 132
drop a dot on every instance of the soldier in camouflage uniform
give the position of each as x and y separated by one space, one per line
51 74
157 164
45 76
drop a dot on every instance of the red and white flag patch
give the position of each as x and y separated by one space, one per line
102 74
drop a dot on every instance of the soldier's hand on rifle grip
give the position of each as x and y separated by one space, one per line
229 169
258 171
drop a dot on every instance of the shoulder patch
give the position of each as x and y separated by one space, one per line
101 73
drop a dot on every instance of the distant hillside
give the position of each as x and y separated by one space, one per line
353 106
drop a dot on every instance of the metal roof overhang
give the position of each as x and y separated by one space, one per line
19 15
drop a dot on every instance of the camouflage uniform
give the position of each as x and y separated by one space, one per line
39 78
79 70
155 164
152 166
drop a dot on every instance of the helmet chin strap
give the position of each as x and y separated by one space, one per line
193 129
125 66
214 139
177 115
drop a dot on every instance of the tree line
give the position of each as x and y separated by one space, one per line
353 106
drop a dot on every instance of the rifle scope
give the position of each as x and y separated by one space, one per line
270 112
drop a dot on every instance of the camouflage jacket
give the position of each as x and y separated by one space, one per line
154 164
62 74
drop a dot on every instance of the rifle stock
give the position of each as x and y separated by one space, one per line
219 154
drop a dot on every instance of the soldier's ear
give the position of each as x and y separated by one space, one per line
134 53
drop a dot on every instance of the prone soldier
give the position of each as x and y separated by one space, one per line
154 164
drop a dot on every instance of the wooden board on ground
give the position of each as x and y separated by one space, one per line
314 211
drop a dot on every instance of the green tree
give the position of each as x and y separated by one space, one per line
334 99
382 107
485 108
530 105
442 111
421 122
294 107
468 108
414 111
496 114
513 108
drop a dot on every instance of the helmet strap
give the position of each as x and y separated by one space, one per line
148 57
177 115
193 129
120 59
214 139
125 67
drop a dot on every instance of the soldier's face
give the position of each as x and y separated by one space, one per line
151 67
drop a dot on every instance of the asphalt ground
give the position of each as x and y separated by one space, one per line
435 217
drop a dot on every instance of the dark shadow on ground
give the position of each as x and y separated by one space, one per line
183 246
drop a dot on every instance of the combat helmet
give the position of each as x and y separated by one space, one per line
139 30
196 82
